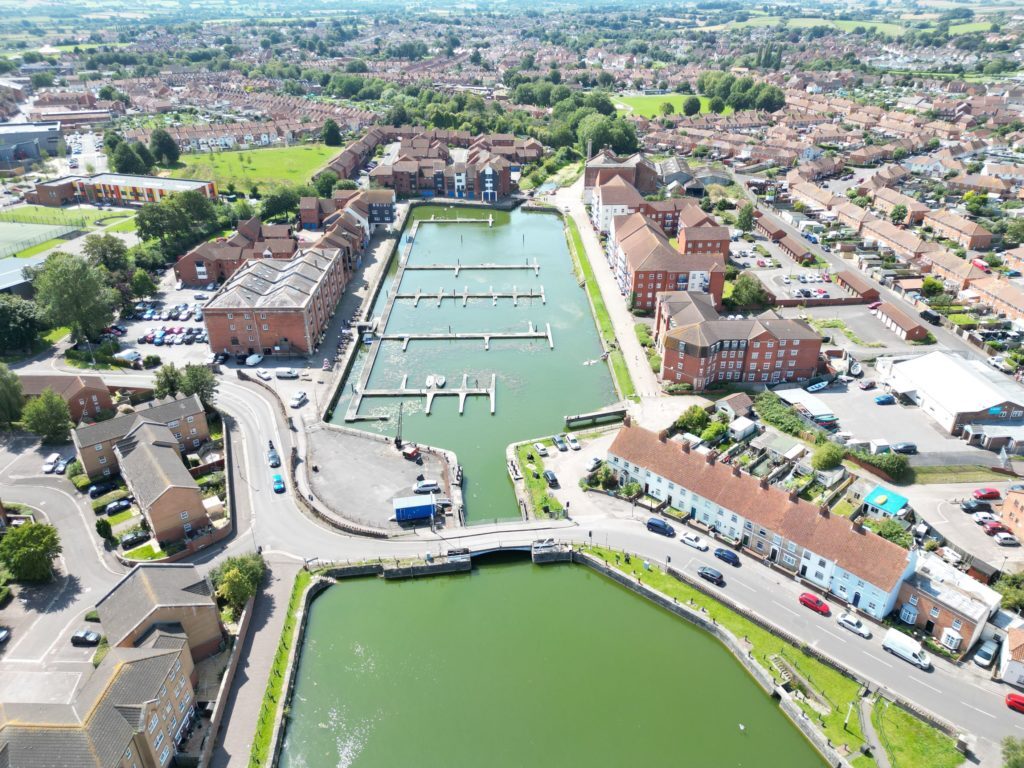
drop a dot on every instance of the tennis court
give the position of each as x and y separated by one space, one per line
17 237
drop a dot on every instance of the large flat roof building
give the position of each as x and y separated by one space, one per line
116 188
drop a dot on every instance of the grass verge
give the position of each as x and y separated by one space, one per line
145 552
537 487
623 380
910 741
265 725
37 249
838 689
839 325
122 226
960 473
121 517
101 651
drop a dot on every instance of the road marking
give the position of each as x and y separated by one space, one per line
929 687
745 586
788 610
833 634
982 711
883 663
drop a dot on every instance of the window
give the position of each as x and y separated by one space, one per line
184 516
166 753
263 315
99 447
789 560
231 327
821 562
819 575
957 624
913 600
266 327
934 613
190 419
128 753
152 723
103 459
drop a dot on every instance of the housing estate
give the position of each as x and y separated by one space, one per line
217 260
640 172
85 394
114 188
855 565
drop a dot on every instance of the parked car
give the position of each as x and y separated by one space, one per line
854 624
658 525
62 465
5 635
986 654
559 441
727 556
1015 701
712 575
85 637
117 506
273 458
993 527
426 486
1006 540
885 399
815 603
907 648
550 478
695 541
263 373
298 399
286 373
253 360
593 464
970 506
99 489
908 448
134 539
867 384
540 449
574 444
986 493
984 517
278 483
874 305
50 463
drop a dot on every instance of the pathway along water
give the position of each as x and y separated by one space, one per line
515 665
536 386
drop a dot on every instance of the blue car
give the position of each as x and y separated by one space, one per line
885 400
727 556
278 484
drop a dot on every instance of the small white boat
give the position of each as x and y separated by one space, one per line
818 387
855 368
430 381
439 380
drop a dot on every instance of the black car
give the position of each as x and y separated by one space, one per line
908 448
710 574
134 539
85 637
273 459
970 506
117 506
727 556
550 478
97 490
221 357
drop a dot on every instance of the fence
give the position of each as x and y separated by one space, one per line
20 245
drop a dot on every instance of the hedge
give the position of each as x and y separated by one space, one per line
102 501
81 482
893 464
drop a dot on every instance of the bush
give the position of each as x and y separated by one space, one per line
5 594
74 469
643 335
81 482
893 464
104 529
827 456
694 419
655 361
632 489
92 616
151 361
773 411
102 501
678 388
714 432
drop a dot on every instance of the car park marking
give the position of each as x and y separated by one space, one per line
982 711
788 610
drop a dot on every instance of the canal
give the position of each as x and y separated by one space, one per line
515 664
536 386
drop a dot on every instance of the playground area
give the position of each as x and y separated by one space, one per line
24 239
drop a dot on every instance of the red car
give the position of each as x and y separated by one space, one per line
827 277
874 305
867 384
815 603
993 527
1015 701
985 493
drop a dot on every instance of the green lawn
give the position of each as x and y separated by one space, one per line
537 487
427 212
266 167
37 249
120 517
71 216
624 380
910 741
123 226
961 473
265 726
145 552
650 106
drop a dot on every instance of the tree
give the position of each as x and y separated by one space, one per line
145 156
107 251
283 201
745 218
594 131
666 108
72 292
713 431
1014 234
237 579
104 529
716 105
691 106
694 420
168 381
29 550
48 416
199 380
126 160
10 396
325 182
142 284
827 456
20 322
332 134
747 291
1011 587
345 184
894 532
1013 752
898 214
932 286
163 147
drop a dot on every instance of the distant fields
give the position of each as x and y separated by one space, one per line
266 167
847 25
650 106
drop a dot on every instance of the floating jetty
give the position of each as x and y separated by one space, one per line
465 295
462 392
460 267
486 336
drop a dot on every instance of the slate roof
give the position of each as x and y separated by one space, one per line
147 587
160 411
150 458
275 283
862 553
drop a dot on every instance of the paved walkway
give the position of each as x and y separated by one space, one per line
644 379
877 751
246 695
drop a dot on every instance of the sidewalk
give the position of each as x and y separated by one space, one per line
246 696
644 379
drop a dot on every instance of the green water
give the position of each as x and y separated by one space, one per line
522 665
536 386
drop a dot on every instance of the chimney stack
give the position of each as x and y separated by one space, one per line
663 435
735 470
686 446
764 482
823 510
712 455
793 494
627 421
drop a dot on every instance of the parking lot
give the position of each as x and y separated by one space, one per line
870 339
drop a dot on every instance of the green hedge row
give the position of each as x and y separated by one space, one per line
102 501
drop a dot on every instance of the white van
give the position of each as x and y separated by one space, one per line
907 648
50 464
